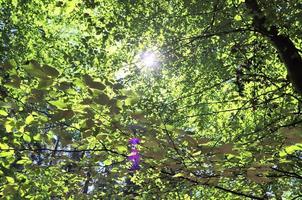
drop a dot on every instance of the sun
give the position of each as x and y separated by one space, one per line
149 59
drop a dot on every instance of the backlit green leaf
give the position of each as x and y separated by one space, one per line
122 149
3 113
29 119
107 162
10 179
26 137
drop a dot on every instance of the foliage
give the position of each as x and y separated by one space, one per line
219 113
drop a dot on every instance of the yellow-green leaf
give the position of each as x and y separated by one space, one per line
24 161
107 162
37 137
131 101
29 119
238 18
59 104
196 153
10 179
290 149
122 149
4 154
3 113
178 175
26 138
8 127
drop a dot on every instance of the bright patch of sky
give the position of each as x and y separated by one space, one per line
123 72
149 59
146 62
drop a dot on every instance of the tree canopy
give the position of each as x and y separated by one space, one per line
212 88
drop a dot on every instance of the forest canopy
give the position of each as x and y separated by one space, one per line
211 88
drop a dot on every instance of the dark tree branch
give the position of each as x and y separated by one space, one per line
286 48
86 184
65 150
55 150
290 174
238 193
195 182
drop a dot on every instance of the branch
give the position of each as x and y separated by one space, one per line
199 92
286 48
64 150
219 33
55 150
217 187
290 174
86 184
238 193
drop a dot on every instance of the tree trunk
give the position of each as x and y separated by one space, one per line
285 47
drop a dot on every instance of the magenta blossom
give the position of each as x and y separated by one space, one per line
134 156
134 141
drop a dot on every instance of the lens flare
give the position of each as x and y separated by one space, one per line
149 59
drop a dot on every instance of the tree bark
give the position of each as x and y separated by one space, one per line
286 48
86 184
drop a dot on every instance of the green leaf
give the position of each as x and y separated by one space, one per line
178 175
196 153
24 161
3 113
290 149
10 179
3 146
29 119
4 154
131 101
37 137
107 162
122 149
59 104
26 137
238 18
9 126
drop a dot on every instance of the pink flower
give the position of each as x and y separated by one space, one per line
134 156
